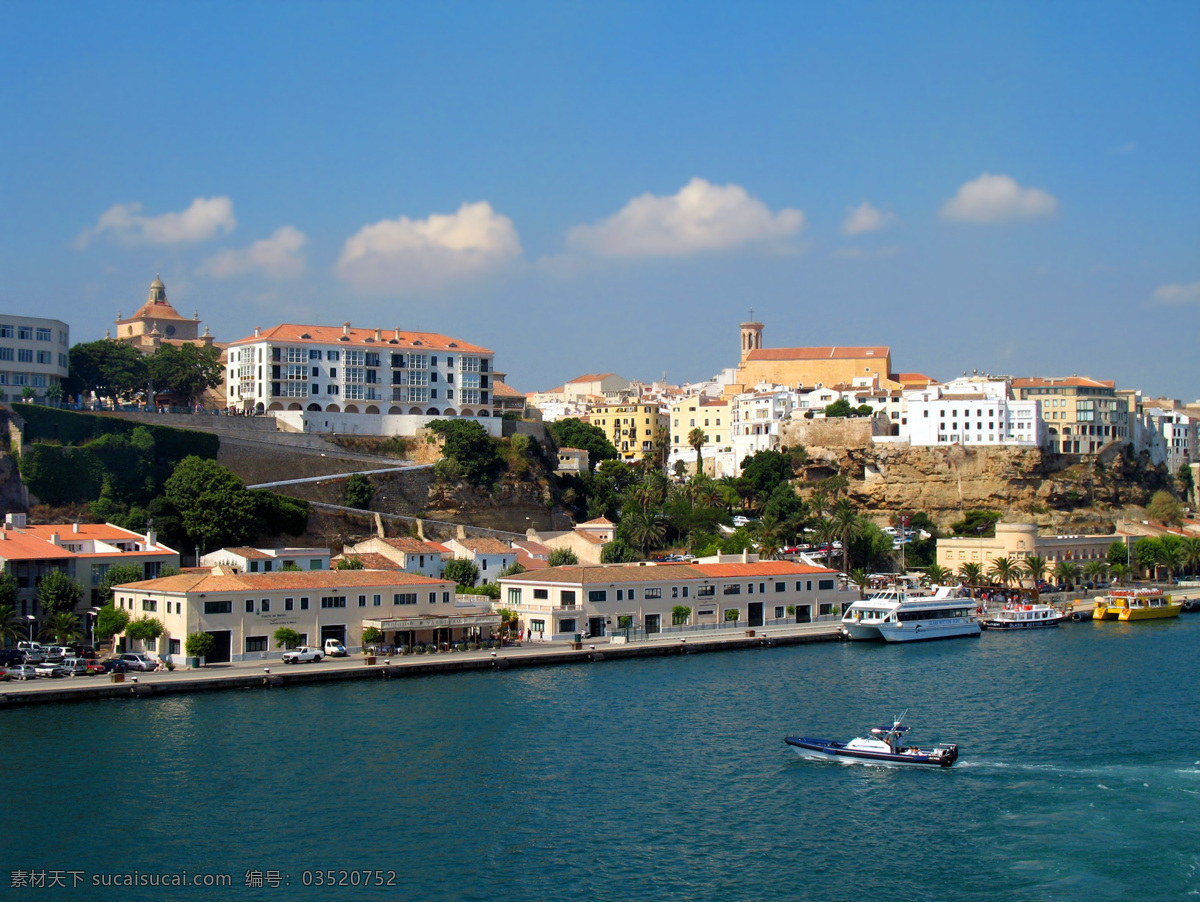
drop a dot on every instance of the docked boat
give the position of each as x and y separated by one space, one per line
1136 604
1024 617
885 745
896 615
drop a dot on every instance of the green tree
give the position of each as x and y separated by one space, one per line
563 557
1165 508
937 574
1191 552
214 507
767 470
1171 555
8 588
1066 574
461 570
839 408
696 438
199 645
111 369
862 579
286 637
1095 570
1118 552
732 615
1119 572
1187 484
187 371
110 621
618 552
468 444
644 529
976 523
10 627
574 433
680 614
119 575
358 492
1147 550
350 562
371 636
848 526
58 593
62 628
864 410
972 573
145 630
514 569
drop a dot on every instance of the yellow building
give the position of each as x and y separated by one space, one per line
809 367
1082 415
1019 541
632 428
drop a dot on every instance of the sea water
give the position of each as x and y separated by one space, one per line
666 778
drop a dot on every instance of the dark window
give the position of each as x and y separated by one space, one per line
218 607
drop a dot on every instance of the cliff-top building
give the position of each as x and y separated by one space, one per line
808 367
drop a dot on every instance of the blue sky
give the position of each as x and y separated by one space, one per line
1006 187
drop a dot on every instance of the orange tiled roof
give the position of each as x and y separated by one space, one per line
390 339
835 352
250 554
503 390
610 573
485 546
1070 381
590 377
599 521
103 532
370 560
409 545
15 546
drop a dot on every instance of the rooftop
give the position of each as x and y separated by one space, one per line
391 339
220 579
835 352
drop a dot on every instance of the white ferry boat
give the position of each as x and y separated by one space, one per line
1024 617
896 615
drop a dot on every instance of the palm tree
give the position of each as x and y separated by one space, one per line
860 578
1035 568
645 528
1005 569
1095 570
1171 556
1066 572
9 629
971 573
936 573
849 526
62 628
1119 572
697 438
1191 552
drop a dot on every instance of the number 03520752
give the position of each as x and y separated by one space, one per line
342 877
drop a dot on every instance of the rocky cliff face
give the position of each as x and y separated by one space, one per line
888 478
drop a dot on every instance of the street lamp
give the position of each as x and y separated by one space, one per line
94 613
31 620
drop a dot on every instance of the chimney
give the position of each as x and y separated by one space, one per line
151 539
75 526
257 331
54 538
397 334
379 335
345 328
745 555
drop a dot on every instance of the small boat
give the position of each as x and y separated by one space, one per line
1136 604
1024 617
899 616
884 746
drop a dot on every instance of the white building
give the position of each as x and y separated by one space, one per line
558 602
974 413
1179 432
403 552
33 354
366 381
267 560
757 417
491 556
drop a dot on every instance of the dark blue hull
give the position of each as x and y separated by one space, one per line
830 749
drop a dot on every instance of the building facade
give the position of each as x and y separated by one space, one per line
809 367
267 560
559 602
972 412
1081 415
632 428
34 355
242 611
1019 541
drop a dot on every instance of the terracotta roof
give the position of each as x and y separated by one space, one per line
573 450
156 310
912 378
760 568
370 560
531 563
250 554
103 532
286 579
533 548
503 390
15 546
591 377
409 545
599 521
390 339
836 352
485 546
1070 381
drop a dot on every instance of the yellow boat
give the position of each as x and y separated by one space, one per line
1136 604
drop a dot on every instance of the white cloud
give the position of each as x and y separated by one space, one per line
397 255
998 198
279 257
1179 293
864 218
701 217
201 221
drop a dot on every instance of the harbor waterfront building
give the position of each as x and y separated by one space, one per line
360 381
33 355
242 611
1019 541
648 598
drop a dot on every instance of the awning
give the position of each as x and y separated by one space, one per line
433 623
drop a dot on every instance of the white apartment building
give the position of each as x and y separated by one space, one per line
267 560
33 354
757 417
1180 433
367 381
973 412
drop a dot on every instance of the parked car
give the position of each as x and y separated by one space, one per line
95 665
21 672
55 654
335 649
50 669
31 646
301 655
11 656
114 665
76 666
136 660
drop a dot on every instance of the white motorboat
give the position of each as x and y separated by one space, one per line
897 615
1024 617
884 746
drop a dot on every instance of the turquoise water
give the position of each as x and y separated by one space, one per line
655 779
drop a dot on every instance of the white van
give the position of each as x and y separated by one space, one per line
335 649
75 666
